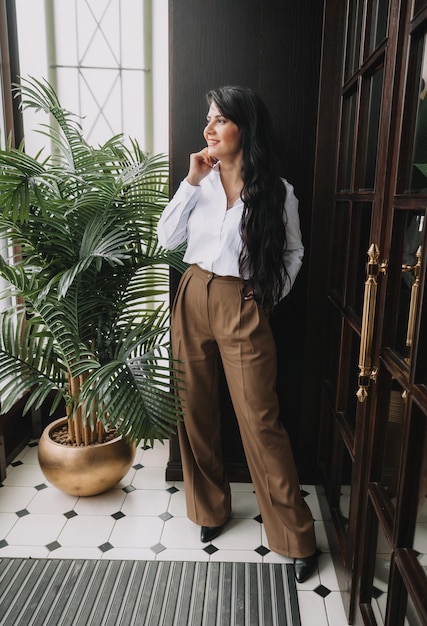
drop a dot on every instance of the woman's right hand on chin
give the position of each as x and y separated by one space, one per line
200 166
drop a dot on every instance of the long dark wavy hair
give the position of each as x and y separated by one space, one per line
263 194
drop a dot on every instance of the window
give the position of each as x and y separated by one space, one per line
108 62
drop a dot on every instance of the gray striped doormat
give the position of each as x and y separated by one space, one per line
56 592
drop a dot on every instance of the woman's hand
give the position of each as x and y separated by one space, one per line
200 166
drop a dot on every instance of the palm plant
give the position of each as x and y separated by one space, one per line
86 280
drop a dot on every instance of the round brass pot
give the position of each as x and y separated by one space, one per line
86 470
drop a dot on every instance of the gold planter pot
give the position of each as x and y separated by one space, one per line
84 471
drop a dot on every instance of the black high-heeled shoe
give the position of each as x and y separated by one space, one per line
305 567
209 533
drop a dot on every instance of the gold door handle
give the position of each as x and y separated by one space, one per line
415 290
367 371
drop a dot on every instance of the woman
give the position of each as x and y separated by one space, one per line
240 221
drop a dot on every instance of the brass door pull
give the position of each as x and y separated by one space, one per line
415 290
367 371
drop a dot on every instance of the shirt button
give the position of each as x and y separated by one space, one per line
209 276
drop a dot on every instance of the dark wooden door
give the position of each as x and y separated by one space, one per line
273 47
374 396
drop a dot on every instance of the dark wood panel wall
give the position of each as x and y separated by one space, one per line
274 47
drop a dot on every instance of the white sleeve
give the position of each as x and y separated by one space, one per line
172 226
294 251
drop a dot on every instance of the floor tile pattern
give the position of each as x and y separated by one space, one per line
144 518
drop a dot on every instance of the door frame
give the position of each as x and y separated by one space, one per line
352 545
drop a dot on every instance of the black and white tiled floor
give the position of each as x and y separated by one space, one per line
144 518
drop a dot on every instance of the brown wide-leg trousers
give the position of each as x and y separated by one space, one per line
212 320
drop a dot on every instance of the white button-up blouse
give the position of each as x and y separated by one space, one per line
199 216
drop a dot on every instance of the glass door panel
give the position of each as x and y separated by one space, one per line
377 27
421 360
393 442
407 246
418 5
360 242
347 142
354 31
345 489
332 360
381 577
419 159
411 615
341 236
420 536
369 127
348 396
327 440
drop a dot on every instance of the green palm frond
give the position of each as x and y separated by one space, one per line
93 279
28 363
39 95
138 395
